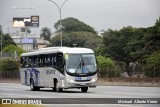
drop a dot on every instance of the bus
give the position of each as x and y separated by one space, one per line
59 68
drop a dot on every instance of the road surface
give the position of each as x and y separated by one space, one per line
10 90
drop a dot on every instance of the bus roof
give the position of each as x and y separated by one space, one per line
64 50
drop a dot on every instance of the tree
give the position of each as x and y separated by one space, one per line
104 62
124 45
136 46
145 41
12 49
152 65
154 58
93 41
81 39
132 44
46 33
69 39
152 37
9 65
76 32
7 40
73 25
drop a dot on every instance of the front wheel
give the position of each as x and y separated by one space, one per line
84 89
56 87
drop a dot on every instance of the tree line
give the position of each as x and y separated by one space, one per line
134 45
126 47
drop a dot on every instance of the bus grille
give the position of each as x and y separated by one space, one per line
78 85
82 80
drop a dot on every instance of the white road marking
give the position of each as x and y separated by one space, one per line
89 105
23 96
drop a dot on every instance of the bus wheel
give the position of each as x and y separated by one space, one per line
54 89
33 88
84 89
57 87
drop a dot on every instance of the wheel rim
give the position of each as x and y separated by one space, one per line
57 89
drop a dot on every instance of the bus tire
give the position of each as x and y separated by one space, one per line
57 89
60 89
54 84
33 88
84 89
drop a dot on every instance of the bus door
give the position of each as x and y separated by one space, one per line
55 70
60 68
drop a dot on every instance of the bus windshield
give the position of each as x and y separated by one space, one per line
80 63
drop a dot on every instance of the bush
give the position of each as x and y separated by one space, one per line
9 65
152 70
103 61
152 66
12 49
108 67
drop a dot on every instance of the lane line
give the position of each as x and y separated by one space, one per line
23 96
89 105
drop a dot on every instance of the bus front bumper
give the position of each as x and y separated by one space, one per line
81 84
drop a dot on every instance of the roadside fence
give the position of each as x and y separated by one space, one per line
9 74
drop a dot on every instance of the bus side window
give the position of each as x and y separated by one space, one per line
47 60
53 60
41 61
31 60
26 62
35 61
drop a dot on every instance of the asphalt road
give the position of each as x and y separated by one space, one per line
10 90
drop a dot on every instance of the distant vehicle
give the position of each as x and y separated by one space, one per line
59 68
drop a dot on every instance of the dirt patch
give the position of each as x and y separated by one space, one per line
141 82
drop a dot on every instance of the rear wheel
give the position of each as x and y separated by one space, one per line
33 88
84 89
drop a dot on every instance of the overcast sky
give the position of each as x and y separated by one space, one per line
100 14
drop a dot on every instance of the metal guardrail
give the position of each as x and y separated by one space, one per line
8 55
9 74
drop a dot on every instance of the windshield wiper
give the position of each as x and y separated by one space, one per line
79 66
85 65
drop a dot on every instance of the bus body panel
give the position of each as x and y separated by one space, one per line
46 76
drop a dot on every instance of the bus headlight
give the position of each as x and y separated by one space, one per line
70 80
94 79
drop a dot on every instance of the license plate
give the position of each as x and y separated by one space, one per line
83 84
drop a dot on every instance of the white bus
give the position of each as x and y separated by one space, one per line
59 68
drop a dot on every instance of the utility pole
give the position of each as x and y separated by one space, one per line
60 16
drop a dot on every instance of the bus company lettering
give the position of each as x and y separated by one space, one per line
49 72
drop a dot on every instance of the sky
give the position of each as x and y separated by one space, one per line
99 14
